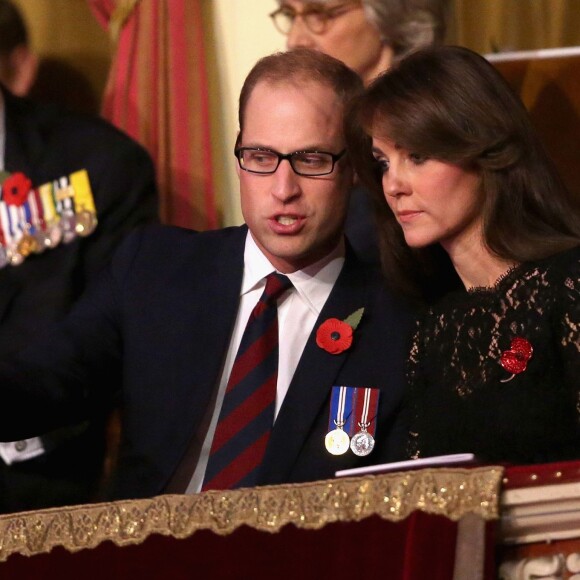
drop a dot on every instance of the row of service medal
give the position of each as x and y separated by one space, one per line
34 219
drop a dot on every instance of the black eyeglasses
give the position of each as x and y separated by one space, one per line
316 18
306 163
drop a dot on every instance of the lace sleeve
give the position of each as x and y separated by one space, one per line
567 326
414 389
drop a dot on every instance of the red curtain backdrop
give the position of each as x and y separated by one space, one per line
157 92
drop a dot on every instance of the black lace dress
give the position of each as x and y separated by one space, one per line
461 397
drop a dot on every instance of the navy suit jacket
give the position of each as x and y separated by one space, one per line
162 315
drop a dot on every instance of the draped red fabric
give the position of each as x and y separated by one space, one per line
157 92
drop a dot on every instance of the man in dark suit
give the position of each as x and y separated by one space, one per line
170 311
46 144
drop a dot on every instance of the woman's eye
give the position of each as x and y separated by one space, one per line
382 165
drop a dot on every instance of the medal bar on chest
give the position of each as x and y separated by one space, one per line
34 219
352 420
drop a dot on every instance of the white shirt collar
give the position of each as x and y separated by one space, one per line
313 283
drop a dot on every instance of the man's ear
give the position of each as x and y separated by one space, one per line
238 141
354 177
24 66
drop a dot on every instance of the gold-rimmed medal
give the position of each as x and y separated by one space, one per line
86 222
337 440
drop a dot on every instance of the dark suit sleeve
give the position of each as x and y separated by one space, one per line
75 368
123 183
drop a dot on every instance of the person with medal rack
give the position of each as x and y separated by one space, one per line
232 343
71 187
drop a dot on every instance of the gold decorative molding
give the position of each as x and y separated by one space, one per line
448 492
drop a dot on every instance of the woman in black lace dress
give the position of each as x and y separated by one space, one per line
479 226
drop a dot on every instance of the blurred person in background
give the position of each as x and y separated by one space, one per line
48 79
71 187
368 36
18 62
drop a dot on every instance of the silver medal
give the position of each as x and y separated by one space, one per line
68 225
362 443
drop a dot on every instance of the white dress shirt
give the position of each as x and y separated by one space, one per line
298 310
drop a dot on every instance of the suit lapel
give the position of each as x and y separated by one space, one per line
314 376
207 329
211 323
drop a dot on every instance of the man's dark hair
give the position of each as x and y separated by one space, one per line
301 66
13 30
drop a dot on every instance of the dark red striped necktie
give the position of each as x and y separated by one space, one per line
247 414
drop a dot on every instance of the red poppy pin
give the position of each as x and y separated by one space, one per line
335 336
515 360
16 188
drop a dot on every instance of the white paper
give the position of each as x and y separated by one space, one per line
437 461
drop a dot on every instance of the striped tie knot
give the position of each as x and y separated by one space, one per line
276 285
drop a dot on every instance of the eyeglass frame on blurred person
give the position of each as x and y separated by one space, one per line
332 158
322 16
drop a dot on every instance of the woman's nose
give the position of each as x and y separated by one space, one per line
394 182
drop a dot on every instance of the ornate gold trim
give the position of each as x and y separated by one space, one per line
448 492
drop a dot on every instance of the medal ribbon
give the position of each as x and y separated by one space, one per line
57 198
366 408
341 406
37 209
29 215
32 212
65 194
83 196
6 239
49 210
13 223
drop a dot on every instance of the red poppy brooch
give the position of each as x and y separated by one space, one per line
515 360
16 188
335 336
